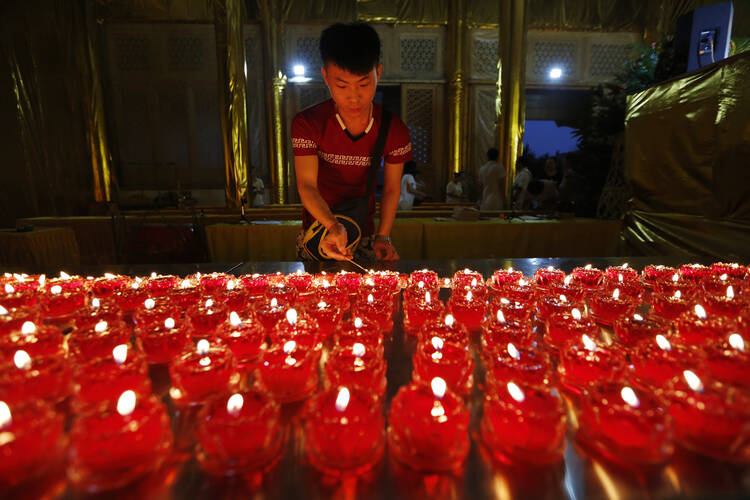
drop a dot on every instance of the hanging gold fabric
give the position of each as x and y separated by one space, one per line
403 11
230 52
156 10
510 103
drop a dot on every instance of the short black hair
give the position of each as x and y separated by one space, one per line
354 47
410 167
493 154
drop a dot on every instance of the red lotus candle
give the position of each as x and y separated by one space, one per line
207 317
13 298
269 313
468 310
67 282
37 340
630 288
667 287
466 277
254 284
544 277
655 273
428 427
572 289
414 292
564 328
427 310
498 332
360 331
531 367
548 304
239 434
59 303
131 298
523 423
512 310
328 317
717 285
334 295
352 364
631 329
88 317
301 328
445 328
694 272
729 362
607 308
13 319
213 283
427 276
161 343
344 431
728 304
112 448
33 439
695 328
626 425
103 379
451 362
285 295
734 270
289 372
589 362
245 338
109 284
97 342
655 361
160 285
347 281
234 298
29 377
201 373
186 295
520 291
391 280
300 281
588 276
710 418
620 274
377 312
153 313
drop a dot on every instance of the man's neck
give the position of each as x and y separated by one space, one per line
356 123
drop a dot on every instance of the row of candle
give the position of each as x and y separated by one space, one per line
469 305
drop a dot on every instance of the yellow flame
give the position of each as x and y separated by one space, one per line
322 305
234 319
550 268
95 303
437 343
449 320
153 274
514 353
3 311
700 312
126 403
169 323
516 392
120 353
9 288
510 270
427 297
420 284
567 280
185 284
357 322
447 282
289 346
616 294
563 298
358 349
675 278
625 265
736 341
438 412
209 303
149 304
28 328
587 267
235 404
274 302
693 381
504 301
576 313
469 296
370 282
22 360
202 347
56 290
730 292
637 317
473 282
522 282
677 295
371 299
342 399
438 387
100 327
588 343
6 418
628 395
231 284
500 317
204 361
724 277
663 343
65 276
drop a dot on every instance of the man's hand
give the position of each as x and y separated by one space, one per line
334 244
384 249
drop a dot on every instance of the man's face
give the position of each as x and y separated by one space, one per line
351 93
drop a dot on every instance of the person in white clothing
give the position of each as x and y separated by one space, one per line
454 190
258 189
409 188
492 180
520 183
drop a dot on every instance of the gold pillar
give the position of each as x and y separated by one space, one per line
272 26
230 52
457 97
510 103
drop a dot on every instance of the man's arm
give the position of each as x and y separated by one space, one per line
306 170
384 250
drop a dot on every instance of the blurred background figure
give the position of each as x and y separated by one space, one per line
541 194
409 188
258 188
454 191
492 182
520 183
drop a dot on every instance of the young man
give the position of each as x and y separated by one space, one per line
333 142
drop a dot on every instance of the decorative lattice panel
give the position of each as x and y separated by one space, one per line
484 58
419 120
608 59
185 53
312 94
483 126
419 55
253 57
307 52
548 54
132 53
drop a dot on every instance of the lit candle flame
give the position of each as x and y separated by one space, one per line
693 381
616 294
588 343
235 404
185 284
447 282
149 304
370 298
56 290
516 392
550 268
100 327
120 353
625 265
677 294
522 282
135 285
6 417
567 280
724 277
437 343
587 267
289 346
563 298
3 311
28 328
22 360
510 269
420 284
473 282
736 341
675 278
274 302
95 303
322 305
231 284
439 387
109 276
663 343
169 323
637 317
369 282
42 279
209 303
576 314
64 276
449 320
291 317
153 274
204 361
730 292
357 322
427 297
9 288
504 301
342 399
438 412
202 347
514 353
628 395
469 296
234 319
358 349
619 277
500 317
126 403
700 312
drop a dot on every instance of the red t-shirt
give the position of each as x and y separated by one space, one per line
343 162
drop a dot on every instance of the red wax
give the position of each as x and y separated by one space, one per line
512 310
588 277
348 281
733 270
239 433
710 418
344 431
693 330
670 307
564 328
289 372
57 305
451 362
656 360
39 340
447 329
35 377
607 307
524 423
497 333
427 276
108 285
36 440
328 317
626 425
361 331
88 317
694 272
729 362
163 342
467 309
214 283
546 276
97 342
727 304
254 284
511 363
613 274
502 277
426 432
356 366
549 304
466 277
13 319
200 374
158 286
419 312
245 338
206 317
579 367
301 281
109 450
